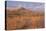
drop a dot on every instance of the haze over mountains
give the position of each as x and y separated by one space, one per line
32 5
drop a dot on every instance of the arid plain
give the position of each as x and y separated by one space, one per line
22 18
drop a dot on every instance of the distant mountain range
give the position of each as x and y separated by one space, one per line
24 11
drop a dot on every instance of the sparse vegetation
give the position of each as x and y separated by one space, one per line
24 19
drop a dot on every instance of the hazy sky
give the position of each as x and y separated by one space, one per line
33 5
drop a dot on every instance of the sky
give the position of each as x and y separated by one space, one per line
33 5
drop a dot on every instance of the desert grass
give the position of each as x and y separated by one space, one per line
24 19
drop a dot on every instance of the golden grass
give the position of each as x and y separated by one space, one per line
24 20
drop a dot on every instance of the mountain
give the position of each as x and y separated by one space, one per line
25 11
